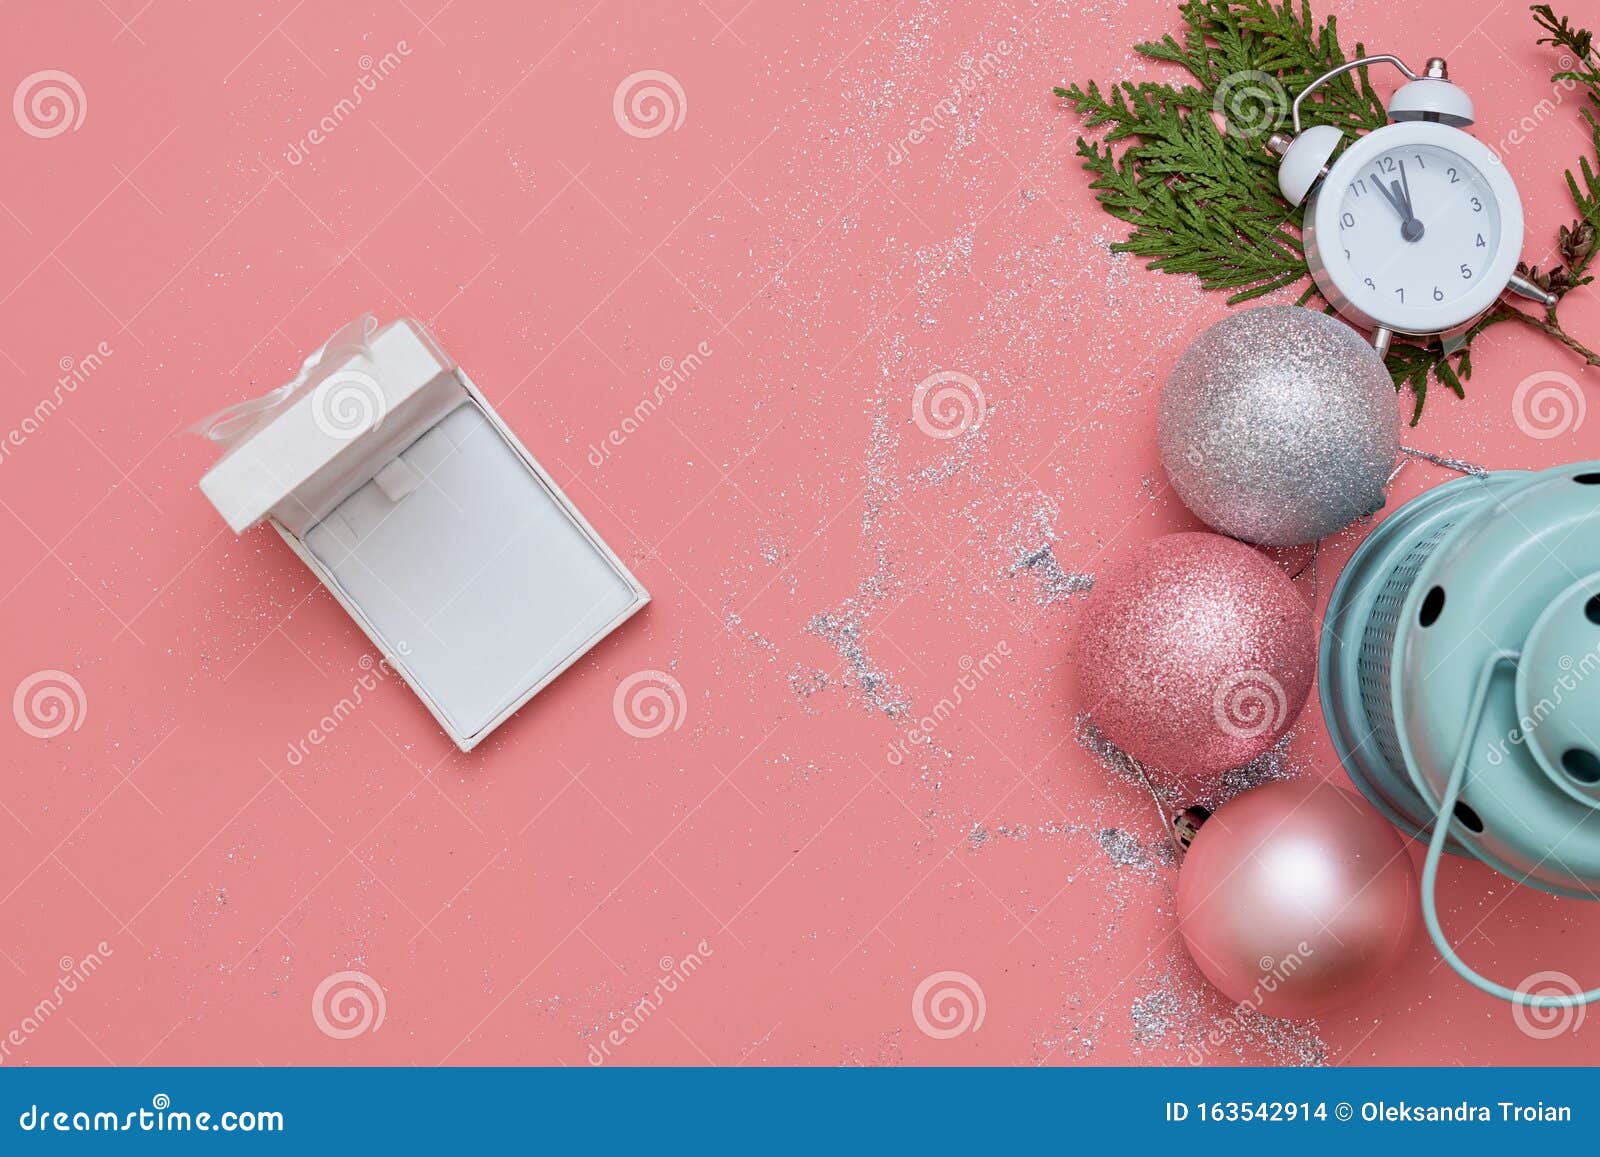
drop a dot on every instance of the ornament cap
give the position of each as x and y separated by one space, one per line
1431 99
1186 824
1305 161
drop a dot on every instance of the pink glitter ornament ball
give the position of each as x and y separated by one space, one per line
1296 898
1195 654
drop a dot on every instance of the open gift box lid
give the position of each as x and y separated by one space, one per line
392 477
298 452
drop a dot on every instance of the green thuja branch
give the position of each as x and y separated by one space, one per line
1185 165
1577 244
1203 200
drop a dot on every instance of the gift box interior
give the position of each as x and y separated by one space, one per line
390 474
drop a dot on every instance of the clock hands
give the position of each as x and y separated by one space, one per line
1398 194
1393 198
1410 228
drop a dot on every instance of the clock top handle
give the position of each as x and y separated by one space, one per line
1426 96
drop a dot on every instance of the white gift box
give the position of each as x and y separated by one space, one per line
391 476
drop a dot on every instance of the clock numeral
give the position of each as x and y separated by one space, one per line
1454 180
1477 205
1438 294
1480 241
1402 292
1466 272
1418 158
1347 221
1360 187
1387 164
1370 284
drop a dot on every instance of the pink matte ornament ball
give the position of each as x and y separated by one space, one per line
1297 898
1195 654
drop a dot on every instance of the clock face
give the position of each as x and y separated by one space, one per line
1420 227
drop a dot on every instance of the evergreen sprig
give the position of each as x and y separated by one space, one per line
1185 164
1578 243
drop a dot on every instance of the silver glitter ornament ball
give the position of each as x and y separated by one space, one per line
1279 426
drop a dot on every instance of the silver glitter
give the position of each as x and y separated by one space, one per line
807 681
959 457
1268 767
1153 1014
843 630
1122 848
1055 584
1198 1025
1279 426
844 627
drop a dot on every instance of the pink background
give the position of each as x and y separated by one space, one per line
513 904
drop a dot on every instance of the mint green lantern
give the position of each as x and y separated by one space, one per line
1460 678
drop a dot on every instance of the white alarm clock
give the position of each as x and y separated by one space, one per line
1416 228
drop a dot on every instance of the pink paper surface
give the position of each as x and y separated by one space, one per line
824 571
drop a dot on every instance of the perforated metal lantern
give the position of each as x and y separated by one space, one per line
1460 677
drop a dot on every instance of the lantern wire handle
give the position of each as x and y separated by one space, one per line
1430 866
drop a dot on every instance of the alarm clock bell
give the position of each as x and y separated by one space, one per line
1305 154
1306 157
